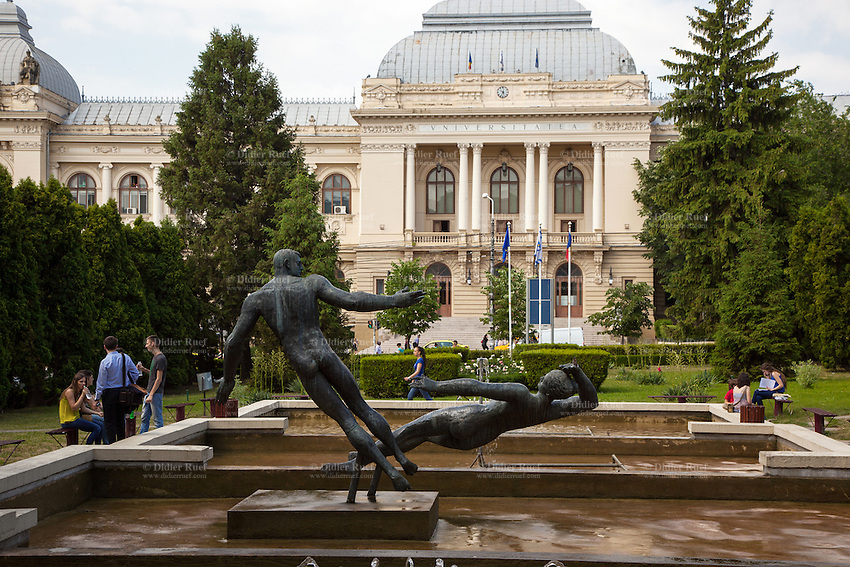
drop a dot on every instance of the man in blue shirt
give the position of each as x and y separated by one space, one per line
109 383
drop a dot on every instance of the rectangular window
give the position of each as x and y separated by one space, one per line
441 226
566 227
379 286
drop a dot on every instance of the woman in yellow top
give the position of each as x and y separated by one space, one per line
70 402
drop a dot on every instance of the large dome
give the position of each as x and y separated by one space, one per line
510 36
15 41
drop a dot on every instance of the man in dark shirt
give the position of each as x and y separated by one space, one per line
156 384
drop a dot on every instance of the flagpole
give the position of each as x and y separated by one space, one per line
510 318
540 286
569 282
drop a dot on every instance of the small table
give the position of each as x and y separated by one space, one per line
180 410
818 416
14 443
683 398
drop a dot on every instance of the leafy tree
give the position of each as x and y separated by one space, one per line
157 253
120 306
417 318
819 270
497 284
756 314
626 310
301 227
728 169
230 159
23 351
54 225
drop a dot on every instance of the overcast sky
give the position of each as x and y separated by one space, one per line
324 48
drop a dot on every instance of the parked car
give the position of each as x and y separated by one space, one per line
441 344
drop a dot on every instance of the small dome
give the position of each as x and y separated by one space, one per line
16 41
510 36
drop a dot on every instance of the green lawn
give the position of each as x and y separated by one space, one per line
831 394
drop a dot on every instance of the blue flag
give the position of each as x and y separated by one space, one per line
538 250
569 244
507 243
537 59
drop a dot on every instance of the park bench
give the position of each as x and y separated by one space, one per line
72 435
818 417
683 398
179 410
13 443
778 405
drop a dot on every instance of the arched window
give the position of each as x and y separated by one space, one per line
83 189
568 291
134 195
443 276
336 195
504 189
569 191
440 192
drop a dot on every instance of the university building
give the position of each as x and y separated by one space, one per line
509 111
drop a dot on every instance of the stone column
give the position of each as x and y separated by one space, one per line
106 183
463 189
543 196
410 190
530 225
476 187
597 187
154 196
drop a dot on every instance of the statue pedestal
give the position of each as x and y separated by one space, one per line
324 514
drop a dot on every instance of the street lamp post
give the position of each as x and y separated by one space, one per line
492 248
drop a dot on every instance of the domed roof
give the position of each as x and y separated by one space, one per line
510 36
15 41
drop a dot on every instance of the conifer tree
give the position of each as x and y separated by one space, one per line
728 166
173 309
120 306
230 158
756 317
54 225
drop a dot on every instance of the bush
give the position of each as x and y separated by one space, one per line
594 363
650 377
382 375
695 386
807 373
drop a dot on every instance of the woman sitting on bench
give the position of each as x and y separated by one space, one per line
70 402
778 386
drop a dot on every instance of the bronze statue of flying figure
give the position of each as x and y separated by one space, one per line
561 392
289 304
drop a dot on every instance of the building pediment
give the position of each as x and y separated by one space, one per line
381 94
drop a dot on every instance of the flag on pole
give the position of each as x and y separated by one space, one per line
469 63
501 61
506 246
537 59
569 244
538 249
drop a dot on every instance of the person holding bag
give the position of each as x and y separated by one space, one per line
418 373
116 370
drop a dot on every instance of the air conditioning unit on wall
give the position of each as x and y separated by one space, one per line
131 211
340 210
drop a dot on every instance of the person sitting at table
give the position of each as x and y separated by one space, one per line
741 393
70 402
778 386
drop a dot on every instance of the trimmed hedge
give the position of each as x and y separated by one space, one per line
594 363
462 351
382 375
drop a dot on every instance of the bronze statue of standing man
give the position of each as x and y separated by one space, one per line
289 304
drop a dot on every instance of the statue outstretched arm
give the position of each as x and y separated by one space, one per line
586 399
362 301
506 392
234 344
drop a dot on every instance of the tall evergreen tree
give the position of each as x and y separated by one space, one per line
54 225
173 309
756 315
728 166
819 270
301 227
230 158
23 350
120 306
419 317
